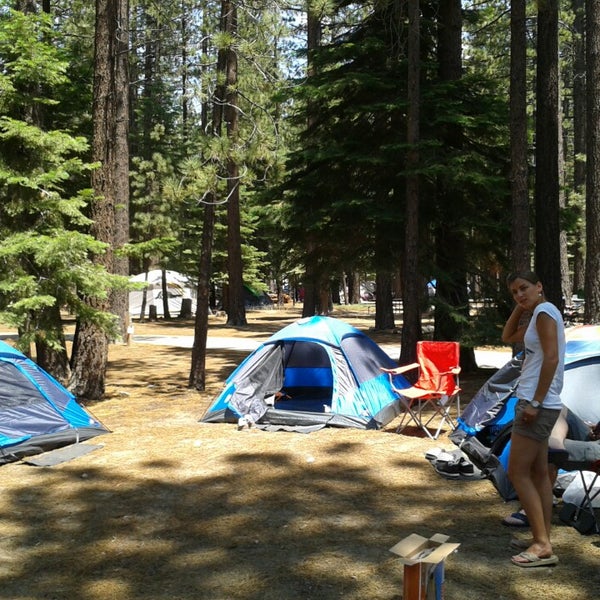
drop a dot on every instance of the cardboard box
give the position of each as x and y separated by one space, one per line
416 549
423 560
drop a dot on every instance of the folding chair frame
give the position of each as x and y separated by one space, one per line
582 517
414 408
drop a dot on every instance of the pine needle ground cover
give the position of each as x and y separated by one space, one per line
173 509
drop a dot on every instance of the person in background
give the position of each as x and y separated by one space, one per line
537 409
570 434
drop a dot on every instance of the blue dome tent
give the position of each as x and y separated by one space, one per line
37 413
316 372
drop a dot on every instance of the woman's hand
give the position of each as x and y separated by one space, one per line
529 414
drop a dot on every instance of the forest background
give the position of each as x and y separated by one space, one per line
307 145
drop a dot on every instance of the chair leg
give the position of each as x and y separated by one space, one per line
587 506
408 416
442 411
415 416
413 411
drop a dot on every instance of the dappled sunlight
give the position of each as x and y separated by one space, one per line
173 509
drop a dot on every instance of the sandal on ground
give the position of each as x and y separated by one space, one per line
517 519
520 544
527 560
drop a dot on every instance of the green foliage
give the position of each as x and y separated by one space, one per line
322 159
345 190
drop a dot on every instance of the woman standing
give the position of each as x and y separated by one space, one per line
537 410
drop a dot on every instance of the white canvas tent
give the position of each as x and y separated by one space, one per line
178 287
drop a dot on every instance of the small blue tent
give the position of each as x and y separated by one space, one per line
36 412
318 371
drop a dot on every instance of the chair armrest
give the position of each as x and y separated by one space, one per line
401 369
452 371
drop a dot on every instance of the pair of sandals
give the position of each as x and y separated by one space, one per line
526 559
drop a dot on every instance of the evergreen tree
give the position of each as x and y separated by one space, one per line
45 265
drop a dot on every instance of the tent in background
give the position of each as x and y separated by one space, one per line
178 287
255 299
317 371
37 414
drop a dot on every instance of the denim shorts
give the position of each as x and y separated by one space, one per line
540 428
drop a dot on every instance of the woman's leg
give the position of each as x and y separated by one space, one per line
528 472
559 431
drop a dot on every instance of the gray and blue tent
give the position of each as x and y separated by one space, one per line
37 413
316 372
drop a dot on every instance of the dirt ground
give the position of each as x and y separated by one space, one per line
172 509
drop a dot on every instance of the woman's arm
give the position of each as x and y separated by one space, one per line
547 332
513 332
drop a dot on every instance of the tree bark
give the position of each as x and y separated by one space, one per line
109 181
452 299
384 306
312 293
197 378
411 294
592 200
579 141
236 311
521 256
547 226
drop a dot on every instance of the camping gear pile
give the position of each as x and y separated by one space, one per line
485 425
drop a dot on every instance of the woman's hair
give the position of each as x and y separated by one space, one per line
527 275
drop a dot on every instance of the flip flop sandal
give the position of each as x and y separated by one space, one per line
520 544
527 560
517 519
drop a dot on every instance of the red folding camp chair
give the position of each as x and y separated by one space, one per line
436 389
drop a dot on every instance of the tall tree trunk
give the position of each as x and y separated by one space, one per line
110 183
184 72
579 141
119 298
547 212
312 293
384 306
411 292
520 255
52 359
236 312
565 276
452 299
197 378
353 279
592 200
